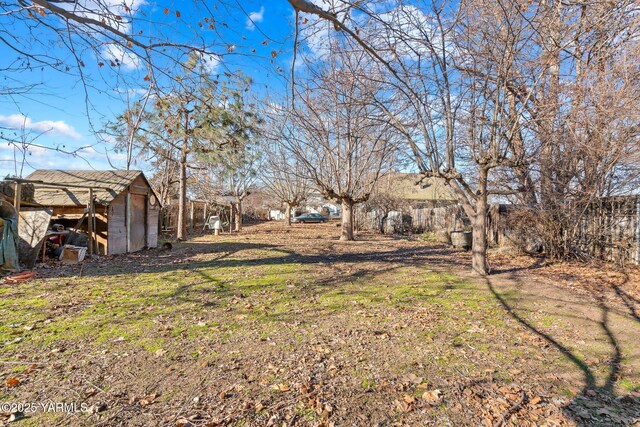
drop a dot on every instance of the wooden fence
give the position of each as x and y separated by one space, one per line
610 230
197 213
418 219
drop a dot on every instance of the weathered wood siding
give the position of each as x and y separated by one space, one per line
117 225
101 229
137 210
432 219
139 186
153 214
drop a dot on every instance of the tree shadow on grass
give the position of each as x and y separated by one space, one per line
596 404
630 302
539 262
229 254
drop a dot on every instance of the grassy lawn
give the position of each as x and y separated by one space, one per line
279 327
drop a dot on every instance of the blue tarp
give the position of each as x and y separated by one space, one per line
9 245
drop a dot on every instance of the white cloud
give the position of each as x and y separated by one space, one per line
409 31
316 32
318 38
122 57
37 157
255 17
210 63
114 13
49 127
399 31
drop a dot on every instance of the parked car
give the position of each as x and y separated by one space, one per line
309 217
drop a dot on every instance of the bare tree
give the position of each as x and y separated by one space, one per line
469 72
124 130
383 201
415 45
237 174
68 35
282 175
585 118
339 133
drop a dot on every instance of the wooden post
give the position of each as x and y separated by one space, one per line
90 216
146 221
191 214
17 198
128 220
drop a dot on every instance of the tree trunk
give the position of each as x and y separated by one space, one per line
479 223
287 214
384 218
182 194
239 215
232 216
347 220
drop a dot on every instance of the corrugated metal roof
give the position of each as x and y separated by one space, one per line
106 184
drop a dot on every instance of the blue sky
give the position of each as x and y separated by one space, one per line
59 112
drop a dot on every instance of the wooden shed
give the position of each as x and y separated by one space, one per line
126 207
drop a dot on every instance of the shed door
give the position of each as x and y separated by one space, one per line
137 234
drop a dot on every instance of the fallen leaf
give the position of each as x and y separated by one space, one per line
433 397
148 400
12 382
280 387
413 378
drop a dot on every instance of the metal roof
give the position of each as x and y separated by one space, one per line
106 185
